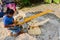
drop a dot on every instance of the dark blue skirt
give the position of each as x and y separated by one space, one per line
1 14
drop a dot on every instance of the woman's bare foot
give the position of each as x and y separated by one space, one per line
13 35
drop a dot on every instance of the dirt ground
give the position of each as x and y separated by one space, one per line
50 30
41 7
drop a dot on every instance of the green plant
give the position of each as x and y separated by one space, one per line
22 3
26 2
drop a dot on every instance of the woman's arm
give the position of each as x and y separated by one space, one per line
12 25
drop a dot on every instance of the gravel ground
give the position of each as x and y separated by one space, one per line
42 7
50 30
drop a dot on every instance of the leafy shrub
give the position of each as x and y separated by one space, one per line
22 3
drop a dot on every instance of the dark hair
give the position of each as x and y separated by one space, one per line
9 11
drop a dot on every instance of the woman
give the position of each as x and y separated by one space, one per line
10 4
1 10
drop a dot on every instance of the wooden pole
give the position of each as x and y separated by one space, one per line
35 16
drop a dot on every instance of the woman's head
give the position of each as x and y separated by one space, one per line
10 12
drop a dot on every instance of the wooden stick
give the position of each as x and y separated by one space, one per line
34 16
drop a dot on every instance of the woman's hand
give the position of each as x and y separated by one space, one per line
13 25
15 21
